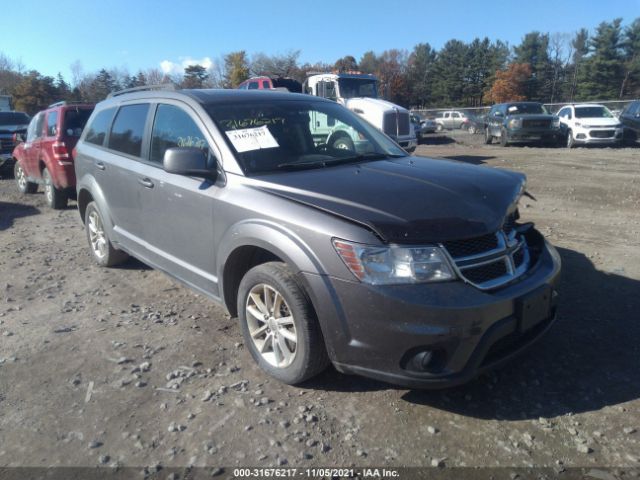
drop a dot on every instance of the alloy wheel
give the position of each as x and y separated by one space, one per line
271 325
97 237
21 178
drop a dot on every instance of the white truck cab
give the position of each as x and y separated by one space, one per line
358 93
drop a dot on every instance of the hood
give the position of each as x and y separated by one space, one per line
408 200
597 121
367 103
13 128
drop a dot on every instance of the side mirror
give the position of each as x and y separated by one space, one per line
498 114
189 161
18 138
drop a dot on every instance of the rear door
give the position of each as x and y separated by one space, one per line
121 169
179 210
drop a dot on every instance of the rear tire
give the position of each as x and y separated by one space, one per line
471 129
102 251
24 185
279 325
56 198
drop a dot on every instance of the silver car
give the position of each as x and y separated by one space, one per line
406 269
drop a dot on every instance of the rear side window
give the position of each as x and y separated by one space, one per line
128 129
265 84
75 120
173 127
99 126
52 124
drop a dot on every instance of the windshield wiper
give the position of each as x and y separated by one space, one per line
337 160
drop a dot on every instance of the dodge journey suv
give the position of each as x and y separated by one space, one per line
410 270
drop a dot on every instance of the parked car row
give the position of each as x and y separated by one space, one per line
531 122
243 197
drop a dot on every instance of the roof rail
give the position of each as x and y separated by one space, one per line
66 102
162 86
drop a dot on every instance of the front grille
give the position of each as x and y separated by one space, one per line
490 261
473 246
487 272
396 123
602 133
536 123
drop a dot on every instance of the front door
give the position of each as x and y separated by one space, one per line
179 210
32 146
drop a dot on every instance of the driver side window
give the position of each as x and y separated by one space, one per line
173 127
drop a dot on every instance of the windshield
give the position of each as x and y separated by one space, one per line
357 87
526 109
14 118
593 112
272 136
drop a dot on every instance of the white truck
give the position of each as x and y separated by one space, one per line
5 103
358 93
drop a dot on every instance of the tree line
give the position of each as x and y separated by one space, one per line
603 64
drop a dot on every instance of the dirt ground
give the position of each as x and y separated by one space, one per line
126 367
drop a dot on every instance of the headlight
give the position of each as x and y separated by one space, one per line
394 265
515 123
617 125
556 122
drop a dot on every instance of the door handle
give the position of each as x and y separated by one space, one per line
100 165
145 182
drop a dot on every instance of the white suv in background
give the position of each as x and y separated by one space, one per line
590 124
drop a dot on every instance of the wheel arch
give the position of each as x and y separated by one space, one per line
252 243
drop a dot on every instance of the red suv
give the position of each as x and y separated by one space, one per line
44 157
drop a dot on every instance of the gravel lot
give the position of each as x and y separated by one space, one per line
126 367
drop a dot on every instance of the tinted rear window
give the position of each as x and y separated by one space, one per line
99 126
14 118
128 129
75 120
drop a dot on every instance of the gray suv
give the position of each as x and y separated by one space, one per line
409 270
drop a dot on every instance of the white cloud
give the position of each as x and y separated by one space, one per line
170 67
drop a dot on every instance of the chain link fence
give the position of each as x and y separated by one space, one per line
616 106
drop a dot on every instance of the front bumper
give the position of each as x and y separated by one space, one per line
379 331
533 135
407 142
596 136
6 159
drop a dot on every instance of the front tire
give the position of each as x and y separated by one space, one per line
488 138
279 324
344 143
504 140
571 142
471 130
439 128
56 198
24 185
102 251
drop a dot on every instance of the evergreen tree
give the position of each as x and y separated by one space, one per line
534 50
631 55
420 74
580 45
194 76
34 93
449 74
603 71
346 64
369 62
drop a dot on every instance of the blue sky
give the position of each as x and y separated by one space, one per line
140 34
